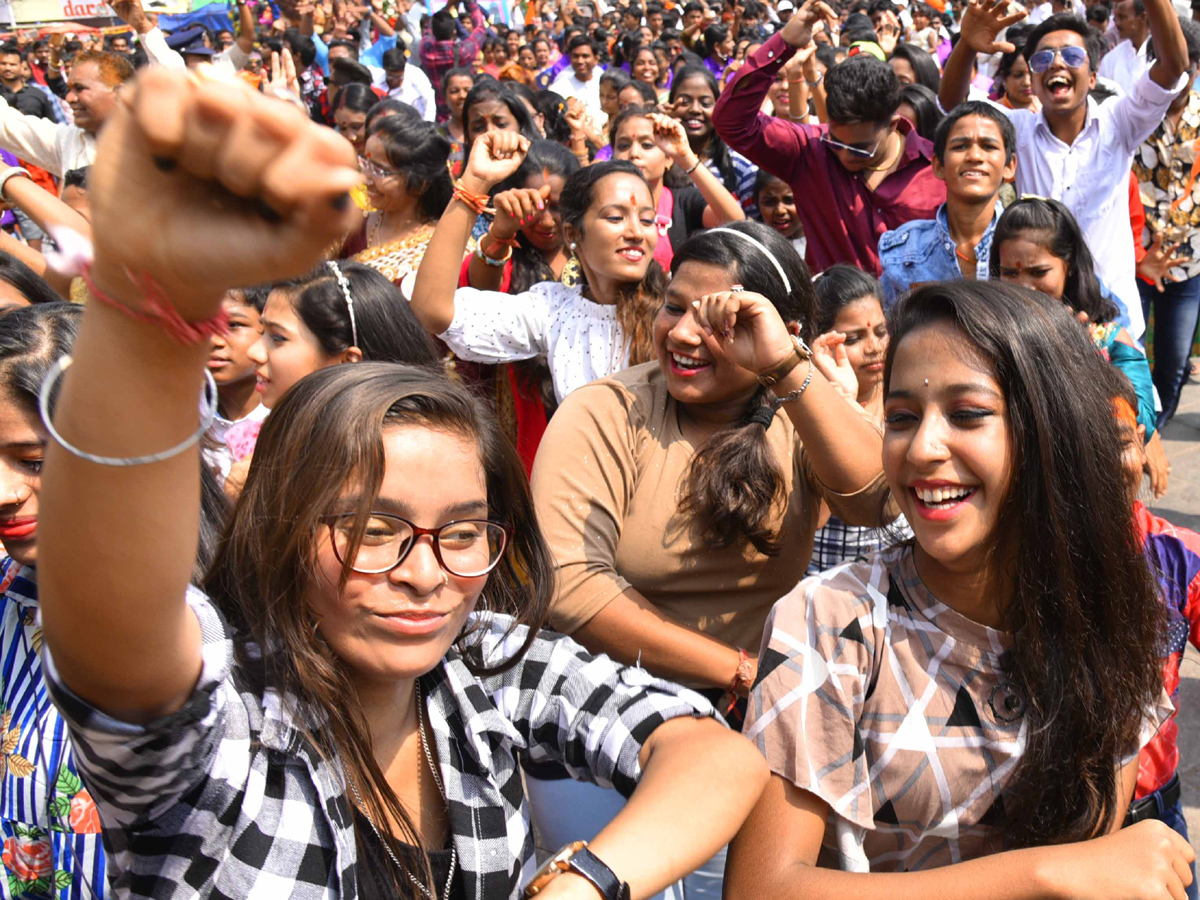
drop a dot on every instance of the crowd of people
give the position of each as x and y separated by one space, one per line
677 451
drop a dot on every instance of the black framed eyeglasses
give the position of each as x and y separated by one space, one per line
467 548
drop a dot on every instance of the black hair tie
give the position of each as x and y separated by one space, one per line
762 415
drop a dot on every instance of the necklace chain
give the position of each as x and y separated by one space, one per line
437 778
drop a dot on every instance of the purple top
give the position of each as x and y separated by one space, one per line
842 218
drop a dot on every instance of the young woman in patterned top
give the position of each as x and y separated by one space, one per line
343 717
960 716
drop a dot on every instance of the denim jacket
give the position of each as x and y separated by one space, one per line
922 250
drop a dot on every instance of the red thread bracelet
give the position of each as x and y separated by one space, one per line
477 202
738 677
159 310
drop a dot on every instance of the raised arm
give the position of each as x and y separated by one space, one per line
722 206
128 534
982 21
770 142
1168 43
844 449
31 138
494 157
151 37
46 210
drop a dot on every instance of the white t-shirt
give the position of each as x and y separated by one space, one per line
568 85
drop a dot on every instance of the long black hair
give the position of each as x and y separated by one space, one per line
636 303
388 330
1084 612
414 147
27 282
839 286
925 104
544 157
489 89
734 486
1053 223
716 149
712 36
32 340
924 66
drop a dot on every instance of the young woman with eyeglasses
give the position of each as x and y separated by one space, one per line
408 187
340 712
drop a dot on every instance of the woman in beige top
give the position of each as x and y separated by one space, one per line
679 507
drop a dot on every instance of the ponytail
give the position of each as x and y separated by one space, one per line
734 485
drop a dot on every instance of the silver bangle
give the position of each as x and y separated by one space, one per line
793 396
206 419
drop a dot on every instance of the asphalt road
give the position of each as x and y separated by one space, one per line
1181 505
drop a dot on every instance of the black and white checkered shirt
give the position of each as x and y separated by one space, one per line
225 798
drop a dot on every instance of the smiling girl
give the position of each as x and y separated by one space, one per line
777 207
678 502
585 331
945 718
693 96
687 196
404 163
341 712
1038 244
851 322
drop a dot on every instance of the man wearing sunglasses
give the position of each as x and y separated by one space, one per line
864 173
1074 150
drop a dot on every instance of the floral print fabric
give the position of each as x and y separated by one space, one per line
48 823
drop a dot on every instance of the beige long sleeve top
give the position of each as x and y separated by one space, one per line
606 484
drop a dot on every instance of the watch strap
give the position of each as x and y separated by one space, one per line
584 862
800 353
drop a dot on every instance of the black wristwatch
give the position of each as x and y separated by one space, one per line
579 859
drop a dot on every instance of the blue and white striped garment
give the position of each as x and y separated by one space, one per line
49 824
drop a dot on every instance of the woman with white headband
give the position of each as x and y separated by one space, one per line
680 497
341 312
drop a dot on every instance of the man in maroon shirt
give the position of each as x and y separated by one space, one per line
866 172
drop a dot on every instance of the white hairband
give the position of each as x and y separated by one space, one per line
345 285
787 285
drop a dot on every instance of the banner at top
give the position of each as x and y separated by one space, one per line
26 12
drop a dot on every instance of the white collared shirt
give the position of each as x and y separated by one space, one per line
1125 64
1091 176
416 91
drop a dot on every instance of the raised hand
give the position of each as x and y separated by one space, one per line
888 32
1157 466
798 30
672 139
515 208
231 188
829 356
745 327
283 83
984 19
1156 264
494 156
